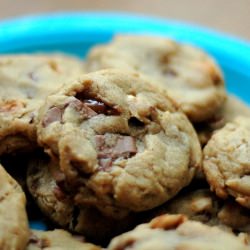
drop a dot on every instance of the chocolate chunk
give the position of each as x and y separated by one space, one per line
54 114
100 142
82 108
96 104
125 145
100 107
105 163
112 147
89 112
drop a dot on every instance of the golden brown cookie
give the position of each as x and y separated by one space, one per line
14 230
25 81
227 161
202 205
172 232
191 76
57 240
122 145
232 108
46 184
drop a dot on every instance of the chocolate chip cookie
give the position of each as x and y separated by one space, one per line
227 161
191 76
25 81
169 232
45 183
232 108
14 231
122 145
202 205
57 240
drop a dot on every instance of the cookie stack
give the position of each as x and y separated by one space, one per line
142 131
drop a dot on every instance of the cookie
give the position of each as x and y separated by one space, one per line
14 231
169 232
46 186
227 161
57 240
122 145
202 205
245 237
232 108
25 81
234 216
191 77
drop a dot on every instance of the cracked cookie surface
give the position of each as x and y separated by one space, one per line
122 145
227 161
14 231
191 76
169 232
25 81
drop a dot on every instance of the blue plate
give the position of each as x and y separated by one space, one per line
75 33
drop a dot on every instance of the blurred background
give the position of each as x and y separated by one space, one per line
230 16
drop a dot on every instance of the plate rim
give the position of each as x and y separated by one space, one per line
28 31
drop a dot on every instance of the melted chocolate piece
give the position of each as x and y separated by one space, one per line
125 145
98 107
110 149
54 114
82 108
105 163
96 104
